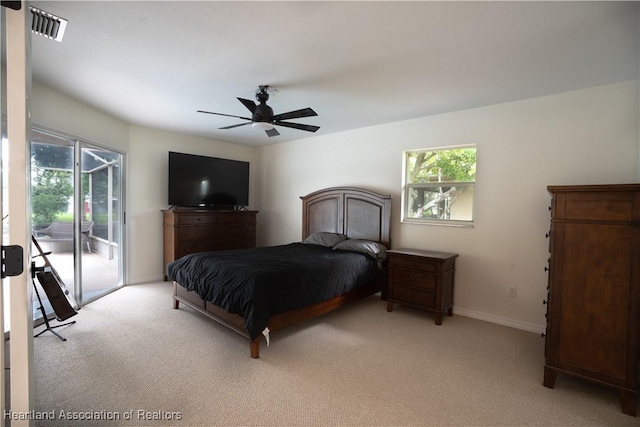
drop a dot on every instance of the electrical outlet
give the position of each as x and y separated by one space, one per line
513 291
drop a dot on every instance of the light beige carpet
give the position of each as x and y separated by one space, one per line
131 355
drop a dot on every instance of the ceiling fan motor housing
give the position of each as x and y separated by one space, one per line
263 113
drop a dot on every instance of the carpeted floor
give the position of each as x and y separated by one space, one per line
132 357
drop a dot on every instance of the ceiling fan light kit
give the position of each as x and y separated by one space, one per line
262 125
262 116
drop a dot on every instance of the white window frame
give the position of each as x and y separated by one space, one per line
406 186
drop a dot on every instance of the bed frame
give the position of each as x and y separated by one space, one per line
354 212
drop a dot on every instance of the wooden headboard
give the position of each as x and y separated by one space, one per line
354 212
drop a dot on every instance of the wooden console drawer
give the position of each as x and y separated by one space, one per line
422 279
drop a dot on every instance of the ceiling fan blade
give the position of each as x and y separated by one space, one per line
235 126
300 126
249 104
272 132
226 115
305 112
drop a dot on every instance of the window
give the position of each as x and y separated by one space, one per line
438 186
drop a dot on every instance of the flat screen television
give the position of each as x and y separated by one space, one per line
207 181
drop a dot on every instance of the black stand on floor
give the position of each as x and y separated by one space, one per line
55 289
46 320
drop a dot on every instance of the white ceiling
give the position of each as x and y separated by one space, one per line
357 64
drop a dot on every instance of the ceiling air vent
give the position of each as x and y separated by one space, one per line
47 25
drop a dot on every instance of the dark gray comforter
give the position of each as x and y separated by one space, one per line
261 282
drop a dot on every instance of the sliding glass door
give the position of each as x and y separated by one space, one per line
76 207
101 211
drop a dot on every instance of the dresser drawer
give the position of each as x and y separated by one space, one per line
195 219
414 279
236 218
212 217
196 233
215 231
413 264
413 296
187 247
237 230
237 243
601 206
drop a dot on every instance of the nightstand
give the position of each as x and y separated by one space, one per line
422 279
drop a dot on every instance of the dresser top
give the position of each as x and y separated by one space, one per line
422 253
593 188
201 210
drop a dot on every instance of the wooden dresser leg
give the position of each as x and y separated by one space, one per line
255 348
629 402
437 317
389 306
176 303
549 377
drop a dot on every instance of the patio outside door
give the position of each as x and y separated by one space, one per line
100 209
76 208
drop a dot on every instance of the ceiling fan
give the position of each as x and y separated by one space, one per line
263 117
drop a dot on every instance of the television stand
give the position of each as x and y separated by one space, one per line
192 230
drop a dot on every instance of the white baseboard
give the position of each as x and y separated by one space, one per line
147 279
530 327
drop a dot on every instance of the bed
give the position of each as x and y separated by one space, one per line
339 260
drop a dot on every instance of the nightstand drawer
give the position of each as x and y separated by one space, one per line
414 296
413 264
414 279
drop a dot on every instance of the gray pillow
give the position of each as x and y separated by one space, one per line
324 238
373 249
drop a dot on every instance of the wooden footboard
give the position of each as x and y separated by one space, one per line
277 322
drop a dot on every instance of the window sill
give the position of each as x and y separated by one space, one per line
432 222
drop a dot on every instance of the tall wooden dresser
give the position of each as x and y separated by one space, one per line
187 231
594 287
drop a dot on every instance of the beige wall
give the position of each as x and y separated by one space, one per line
582 137
147 191
55 111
